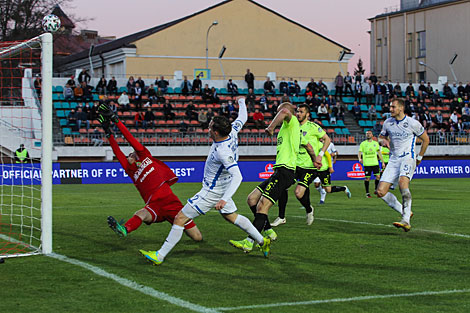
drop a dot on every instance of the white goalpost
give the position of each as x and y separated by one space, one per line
26 147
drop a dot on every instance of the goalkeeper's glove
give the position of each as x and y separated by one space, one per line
106 124
106 112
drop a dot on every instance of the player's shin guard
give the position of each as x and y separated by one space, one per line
406 196
305 201
172 239
260 221
282 203
133 223
245 224
393 202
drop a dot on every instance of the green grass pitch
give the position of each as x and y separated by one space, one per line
350 251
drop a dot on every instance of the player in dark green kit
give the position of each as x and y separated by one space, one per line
369 150
262 198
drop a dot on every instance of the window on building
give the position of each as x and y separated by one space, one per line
421 44
421 76
409 45
385 41
379 42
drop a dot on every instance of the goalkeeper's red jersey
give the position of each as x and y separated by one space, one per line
148 173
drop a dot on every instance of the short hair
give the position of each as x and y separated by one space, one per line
304 105
222 125
400 102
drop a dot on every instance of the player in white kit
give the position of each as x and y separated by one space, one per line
222 177
399 134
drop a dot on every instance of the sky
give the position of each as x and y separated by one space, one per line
343 21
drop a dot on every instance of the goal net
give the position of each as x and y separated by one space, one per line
26 147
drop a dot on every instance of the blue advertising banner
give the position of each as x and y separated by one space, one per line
190 172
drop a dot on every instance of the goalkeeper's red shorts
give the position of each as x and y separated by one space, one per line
164 205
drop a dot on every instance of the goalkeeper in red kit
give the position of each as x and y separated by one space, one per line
151 177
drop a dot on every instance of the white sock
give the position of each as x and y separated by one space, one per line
174 236
323 194
393 202
319 188
406 196
245 224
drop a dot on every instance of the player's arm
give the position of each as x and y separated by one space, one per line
228 161
242 115
359 155
326 143
379 154
311 153
281 116
118 153
329 161
383 137
335 156
424 146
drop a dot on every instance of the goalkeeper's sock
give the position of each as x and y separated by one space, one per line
171 240
133 223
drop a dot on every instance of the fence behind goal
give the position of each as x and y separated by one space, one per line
25 142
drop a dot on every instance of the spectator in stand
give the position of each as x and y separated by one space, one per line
291 87
357 91
38 86
231 108
283 86
372 113
421 97
141 83
112 86
356 110
124 102
149 117
455 89
308 92
369 91
373 78
78 93
410 90
467 89
250 79
447 91
397 90
197 85
263 102
152 94
101 86
455 105
186 86
322 112
312 85
339 84
92 115
71 82
72 120
358 78
297 88
97 137
429 90
427 120
461 90
454 117
388 91
139 118
436 98
84 77
223 110
202 119
250 100
341 111
333 113
323 90
138 93
386 111
206 94
273 108
191 113
87 92
232 88
130 86
466 116
214 97
330 101
163 84
82 118
441 136
168 110
68 92
269 87
160 95
376 129
348 81
460 127
379 93
210 114
422 87
258 119
439 120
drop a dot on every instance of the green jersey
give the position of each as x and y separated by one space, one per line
385 153
288 142
309 133
369 152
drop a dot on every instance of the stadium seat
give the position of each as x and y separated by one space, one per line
338 131
57 105
61 113
346 131
340 123
73 105
122 89
326 123
362 123
314 115
370 124
66 131
378 108
364 108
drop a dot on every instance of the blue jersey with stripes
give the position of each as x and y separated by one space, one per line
222 156
402 135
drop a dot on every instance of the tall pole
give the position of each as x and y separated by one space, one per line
214 23
427 66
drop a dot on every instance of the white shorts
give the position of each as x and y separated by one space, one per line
317 180
397 168
204 201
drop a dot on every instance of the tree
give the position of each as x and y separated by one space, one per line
21 19
359 70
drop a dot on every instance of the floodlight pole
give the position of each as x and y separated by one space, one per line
450 65
214 23
425 65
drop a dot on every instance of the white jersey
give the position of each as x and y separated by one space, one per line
331 148
402 135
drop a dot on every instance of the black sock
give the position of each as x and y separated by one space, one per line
282 203
253 209
376 183
337 189
305 201
267 225
366 183
260 221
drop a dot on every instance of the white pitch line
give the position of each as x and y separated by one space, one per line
384 225
133 285
361 298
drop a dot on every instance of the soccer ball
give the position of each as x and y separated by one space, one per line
51 23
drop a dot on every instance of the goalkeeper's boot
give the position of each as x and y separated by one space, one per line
348 193
245 245
271 234
404 225
151 256
278 221
266 247
118 228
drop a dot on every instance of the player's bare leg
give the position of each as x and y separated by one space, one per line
194 233
303 195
